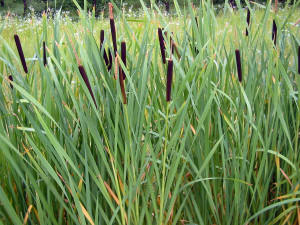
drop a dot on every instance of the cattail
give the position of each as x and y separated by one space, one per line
121 80
112 27
274 32
123 56
44 53
248 21
162 45
21 54
86 80
196 21
299 59
238 64
11 79
104 51
110 60
169 79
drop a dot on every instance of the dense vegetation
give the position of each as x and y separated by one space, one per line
215 141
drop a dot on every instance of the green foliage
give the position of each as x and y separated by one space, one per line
220 152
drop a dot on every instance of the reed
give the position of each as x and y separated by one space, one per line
20 51
121 80
238 64
162 45
86 81
113 27
123 56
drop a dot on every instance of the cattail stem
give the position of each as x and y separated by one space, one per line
162 45
169 79
238 64
274 32
123 56
248 21
44 53
21 54
86 80
104 51
11 79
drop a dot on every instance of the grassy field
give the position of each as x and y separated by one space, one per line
80 145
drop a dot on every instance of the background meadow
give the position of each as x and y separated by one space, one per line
222 151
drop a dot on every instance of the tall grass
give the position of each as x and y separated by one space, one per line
80 147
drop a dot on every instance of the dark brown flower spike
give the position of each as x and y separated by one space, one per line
123 56
44 53
21 54
162 45
248 21
121 80
11 79
113 27
238 64
274 32
104 51
196 21
110 60
299 60
169 79
86 80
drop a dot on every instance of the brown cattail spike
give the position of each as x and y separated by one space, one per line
274 32
11 79
248 21
110 60
44 53
299 60
123 56
121 80
238 64
196 21
162 45
169 79
86 81
21 54
171 44
104 51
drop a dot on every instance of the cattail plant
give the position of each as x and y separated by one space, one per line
121 80
21 54
238 64
171 43
11 79
248 21
104 51
44 53
86 81
196 21
162 45
123 56
169 77
112 27
274 32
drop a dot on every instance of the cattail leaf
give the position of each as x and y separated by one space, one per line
299 60
104 51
